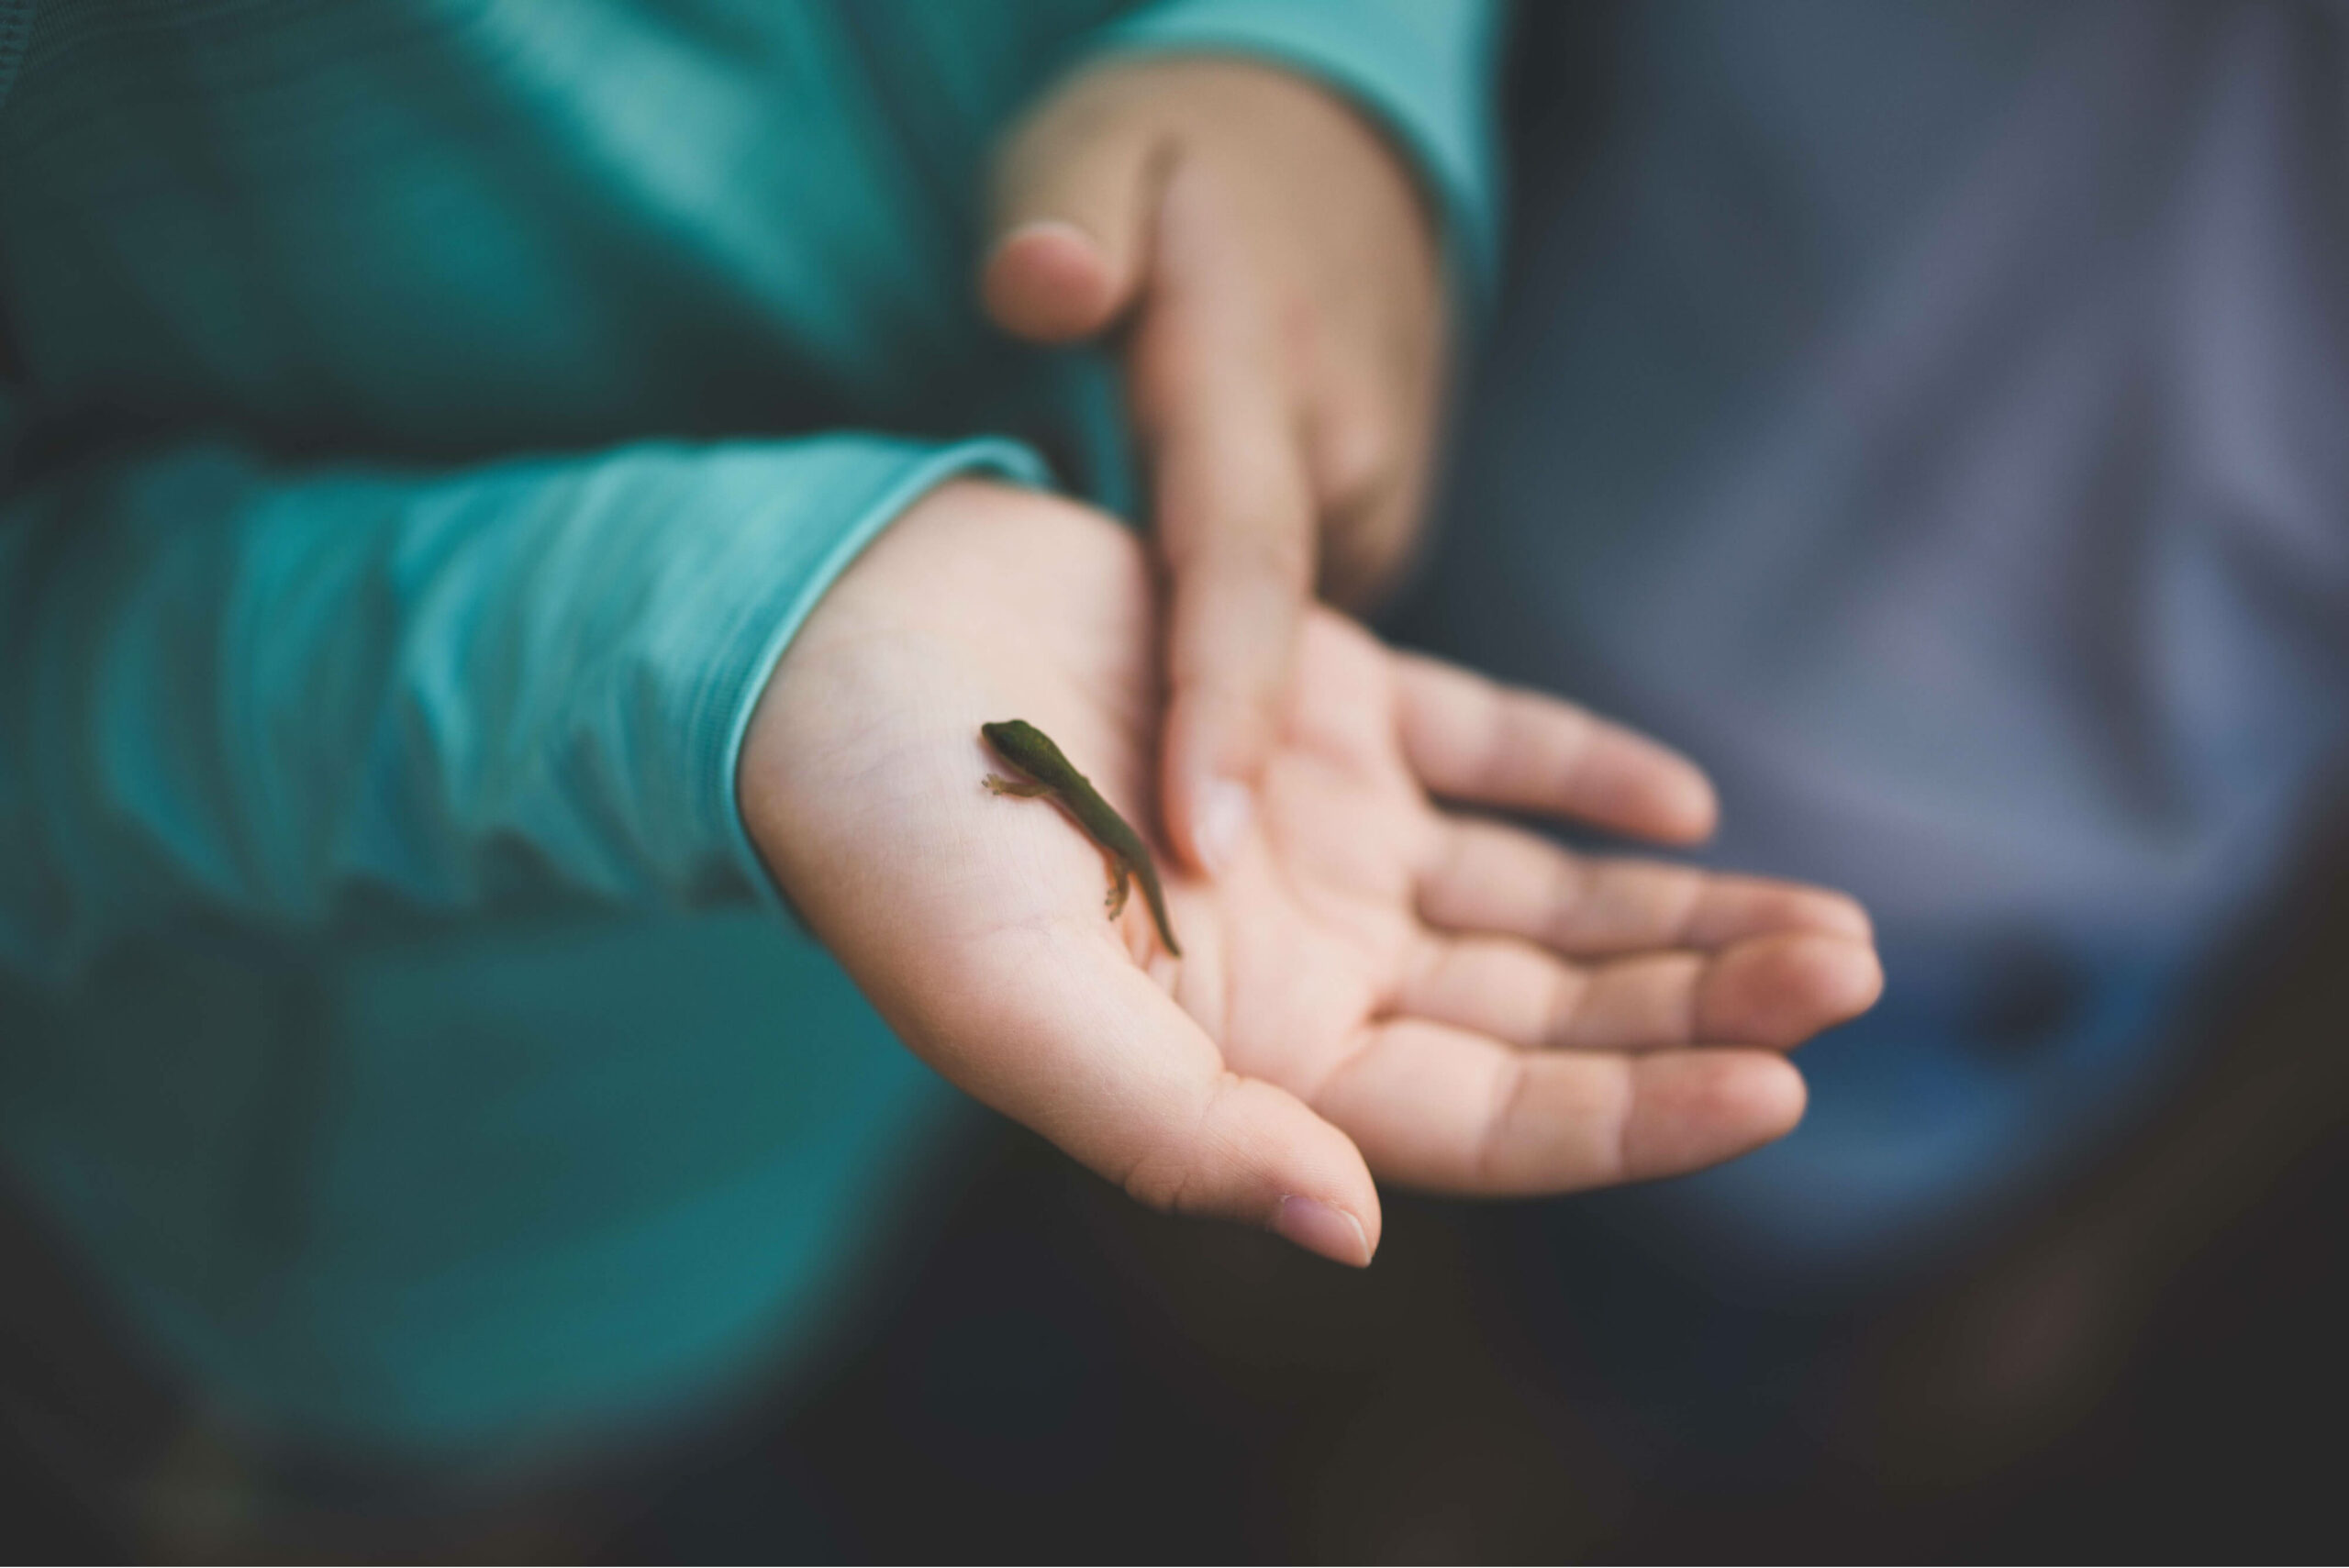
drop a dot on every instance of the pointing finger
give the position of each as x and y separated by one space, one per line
1234 516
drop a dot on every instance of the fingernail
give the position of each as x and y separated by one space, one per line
1224 809
1038 225
1318 1228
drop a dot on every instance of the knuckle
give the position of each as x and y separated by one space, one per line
1169 1175
1158 1183
1248 544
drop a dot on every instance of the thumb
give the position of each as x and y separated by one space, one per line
1085 1048
1070 236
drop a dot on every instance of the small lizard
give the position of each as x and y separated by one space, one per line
1031 750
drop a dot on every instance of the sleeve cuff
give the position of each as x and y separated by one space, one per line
891 476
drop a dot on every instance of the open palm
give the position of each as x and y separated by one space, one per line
1462 1005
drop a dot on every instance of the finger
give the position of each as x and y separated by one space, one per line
1459 1112
1057 1029
1234 517
1073 208
1772 992
1372 444
1474 740
1373 485
1485 877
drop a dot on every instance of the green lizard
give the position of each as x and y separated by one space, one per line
1031 750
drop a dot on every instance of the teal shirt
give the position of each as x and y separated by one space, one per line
426 424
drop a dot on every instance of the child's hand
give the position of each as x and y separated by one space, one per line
1375 985
1272 269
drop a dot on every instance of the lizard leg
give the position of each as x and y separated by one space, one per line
998 784
1118 886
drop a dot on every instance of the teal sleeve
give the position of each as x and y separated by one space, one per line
259 692
1422 69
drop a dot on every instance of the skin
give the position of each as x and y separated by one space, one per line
1266 269
1383 982
1031 750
